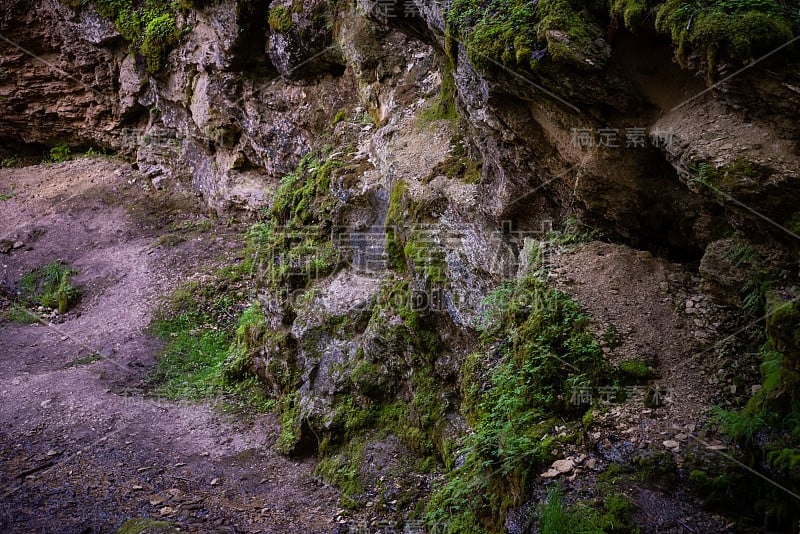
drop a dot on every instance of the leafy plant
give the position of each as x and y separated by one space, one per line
10 194
10 162
556 517
50 286
60 154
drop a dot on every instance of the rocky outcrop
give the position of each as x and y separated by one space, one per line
404 175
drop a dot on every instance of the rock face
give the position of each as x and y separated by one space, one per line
252 85
434 174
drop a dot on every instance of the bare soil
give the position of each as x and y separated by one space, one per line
81 448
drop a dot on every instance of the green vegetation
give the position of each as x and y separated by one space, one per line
160 34
459 165
611 337
190 364
209 352
150 26
146 526
293 245
767 428
444 106
740 29
50 286
280 19
10 162
538 349
59 154
517 34
10 194
571 235
557 517
194 363
635 369
19 314
729 176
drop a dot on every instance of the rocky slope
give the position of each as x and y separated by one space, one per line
417 170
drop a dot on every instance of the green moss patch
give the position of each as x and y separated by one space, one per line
150 26
739 29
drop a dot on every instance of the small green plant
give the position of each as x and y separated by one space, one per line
572 234
743 253
50 286
10 194
611 337
556 517
60 154
19 314
10 162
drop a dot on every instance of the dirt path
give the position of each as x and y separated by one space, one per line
78 452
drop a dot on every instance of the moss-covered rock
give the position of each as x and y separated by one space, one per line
520 34
725 29
783 324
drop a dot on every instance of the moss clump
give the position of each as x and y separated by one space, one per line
280 19
459 165
783 327
342 470
412 249
444 106
737 29
635 370
393 227
517 33
250 334
787 461
160 34
632 12
295 245
150 26
371 407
